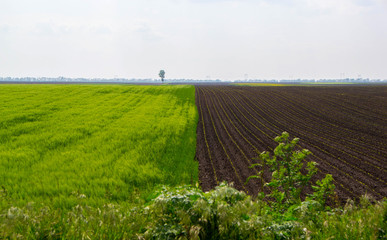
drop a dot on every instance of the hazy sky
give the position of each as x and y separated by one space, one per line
199 39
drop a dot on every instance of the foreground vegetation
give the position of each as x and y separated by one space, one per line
186 212
107 144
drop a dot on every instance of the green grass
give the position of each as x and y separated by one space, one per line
111 143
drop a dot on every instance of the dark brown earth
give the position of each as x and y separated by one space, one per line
344 127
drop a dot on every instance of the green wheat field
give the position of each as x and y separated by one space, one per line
103 143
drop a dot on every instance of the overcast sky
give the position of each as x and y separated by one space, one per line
199 39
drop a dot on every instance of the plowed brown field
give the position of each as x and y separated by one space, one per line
344 127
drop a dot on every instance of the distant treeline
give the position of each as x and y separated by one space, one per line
151 80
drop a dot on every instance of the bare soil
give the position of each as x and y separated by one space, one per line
345 127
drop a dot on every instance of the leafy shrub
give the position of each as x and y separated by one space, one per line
288 180
324 190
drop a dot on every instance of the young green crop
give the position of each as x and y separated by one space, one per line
105 143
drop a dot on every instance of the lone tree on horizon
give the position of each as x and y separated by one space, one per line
162 75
